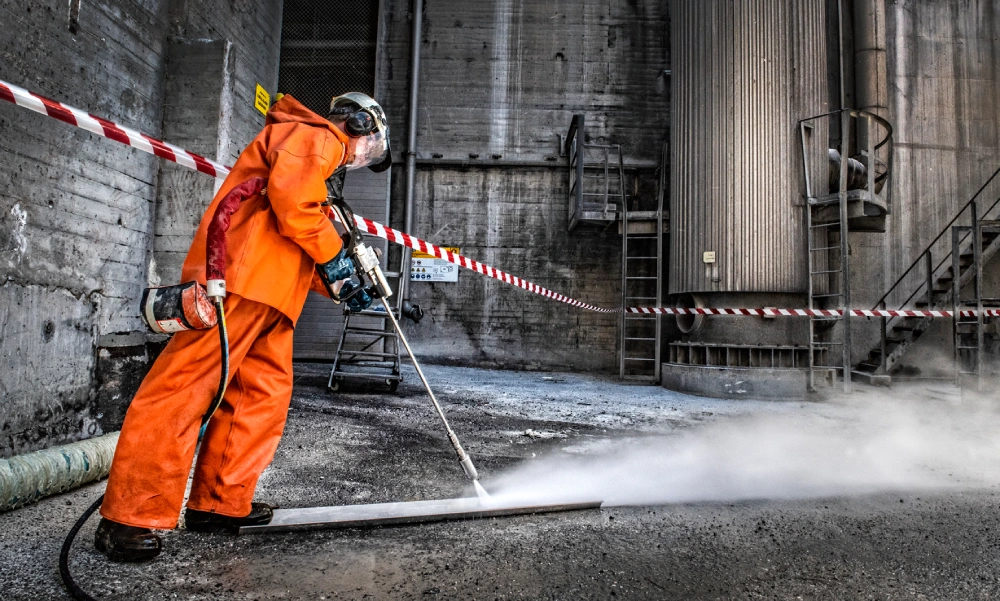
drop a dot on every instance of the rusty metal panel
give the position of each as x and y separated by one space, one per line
744 72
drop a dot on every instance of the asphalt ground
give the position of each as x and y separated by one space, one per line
692 538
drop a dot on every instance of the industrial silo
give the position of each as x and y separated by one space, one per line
744 72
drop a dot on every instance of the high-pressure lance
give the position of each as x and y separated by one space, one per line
372 283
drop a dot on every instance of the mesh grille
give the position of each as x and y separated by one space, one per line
327 49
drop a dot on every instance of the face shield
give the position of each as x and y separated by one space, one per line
369 151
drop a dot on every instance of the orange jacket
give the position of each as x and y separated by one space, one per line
274 241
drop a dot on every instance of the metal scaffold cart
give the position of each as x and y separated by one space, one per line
369 345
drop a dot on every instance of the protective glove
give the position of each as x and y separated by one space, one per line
359 301
340 267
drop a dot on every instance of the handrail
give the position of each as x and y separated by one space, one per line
944 230
857 113
880 120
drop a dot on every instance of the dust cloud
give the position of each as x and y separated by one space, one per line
857 445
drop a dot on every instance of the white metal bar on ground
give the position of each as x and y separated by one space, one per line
388 514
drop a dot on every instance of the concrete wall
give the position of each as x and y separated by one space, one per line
500 81
78 212
944 99
218 52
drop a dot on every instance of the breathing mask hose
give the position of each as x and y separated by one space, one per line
216 289
74 589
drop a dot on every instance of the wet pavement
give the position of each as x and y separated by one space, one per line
363 445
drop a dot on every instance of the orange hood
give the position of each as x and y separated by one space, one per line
290 110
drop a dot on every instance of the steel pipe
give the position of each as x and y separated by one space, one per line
411 140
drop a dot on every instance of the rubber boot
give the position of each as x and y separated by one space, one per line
206 521
126 543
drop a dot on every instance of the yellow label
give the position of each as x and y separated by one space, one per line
262 100
422 255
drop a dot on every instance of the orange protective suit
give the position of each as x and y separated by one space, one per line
274 242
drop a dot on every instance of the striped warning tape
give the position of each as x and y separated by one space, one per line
399 237
130 137
109 129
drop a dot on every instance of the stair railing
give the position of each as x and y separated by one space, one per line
930 270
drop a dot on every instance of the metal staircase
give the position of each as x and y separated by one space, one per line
642 269
964 253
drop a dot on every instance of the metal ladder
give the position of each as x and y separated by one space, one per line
642 286
970 332
829 272
369 345
829 284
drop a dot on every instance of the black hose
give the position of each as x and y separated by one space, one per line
78 593
74 589
224 378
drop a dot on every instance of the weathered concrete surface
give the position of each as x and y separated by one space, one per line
364 447
515 221
737 382
77 211
500 82
38 325
944 85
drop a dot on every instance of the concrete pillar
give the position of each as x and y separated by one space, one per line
196 116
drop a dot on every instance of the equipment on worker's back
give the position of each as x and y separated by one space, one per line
169 309
365 122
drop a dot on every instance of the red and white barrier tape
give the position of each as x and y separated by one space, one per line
399 237
130 137
108 129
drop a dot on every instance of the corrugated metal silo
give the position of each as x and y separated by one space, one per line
744 72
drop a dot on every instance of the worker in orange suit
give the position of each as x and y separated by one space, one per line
277 242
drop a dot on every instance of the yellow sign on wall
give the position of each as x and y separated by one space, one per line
419 254
262 100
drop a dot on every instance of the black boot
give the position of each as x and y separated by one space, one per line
126 543
206 521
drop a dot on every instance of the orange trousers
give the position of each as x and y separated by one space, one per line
157 444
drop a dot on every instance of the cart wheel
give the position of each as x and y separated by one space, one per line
335 385
393 384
